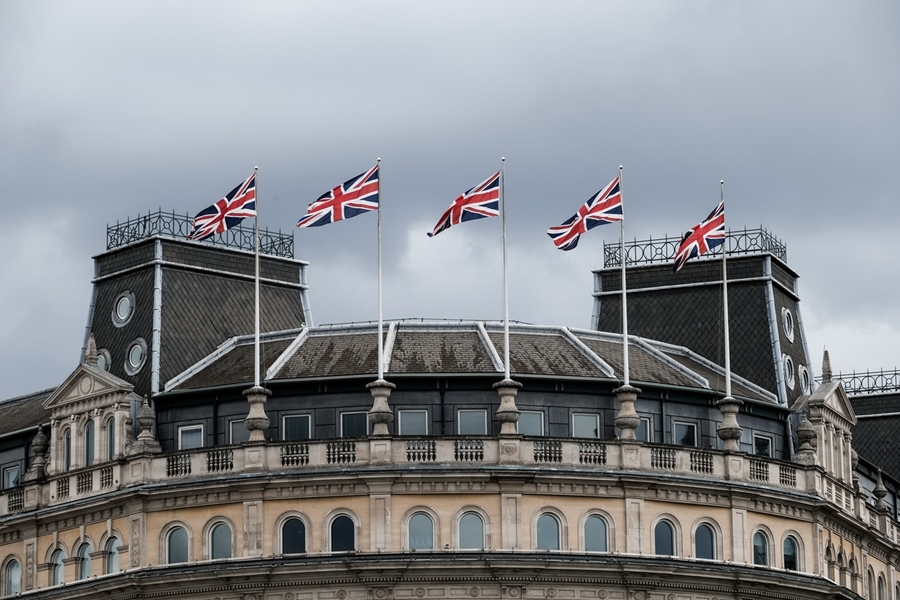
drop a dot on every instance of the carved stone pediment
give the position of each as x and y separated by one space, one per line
830 401
87 388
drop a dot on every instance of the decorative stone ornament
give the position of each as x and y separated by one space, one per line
730 432
39 446
257 422
806 433
627 419
91 355
880 492
146 441
380 416
508 413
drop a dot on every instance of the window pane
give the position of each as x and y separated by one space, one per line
586 426
112 555
760 549
762 446
89 443
293 537
84 561
664 537
642 432
471 532
595 535
421 532
342 535
67 449
413 422
353 425
110 439
472 422
239 432
296 427
177 546
13 578
58 574
547 533
190 437
790 554
531 423
686 434
220 542
10 477
705 542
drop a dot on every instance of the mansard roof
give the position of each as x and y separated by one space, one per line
422 348
24 412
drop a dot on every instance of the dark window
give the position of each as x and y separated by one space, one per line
296 428
586 426
13 577
57 569
343 534
421 532
595 535
89 444
413 422
790 554
84 561
67 449
642 432
293 536
239 431
177 546
111 439
10 477
220 541
705 542
760 549
472 422
190 437
531 423
686 434
354 425
664 539
471 532
112 555
547 532
762 446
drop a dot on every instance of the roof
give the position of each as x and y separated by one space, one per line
875 435
458 348
24 412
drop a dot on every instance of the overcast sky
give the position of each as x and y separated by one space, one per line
111 109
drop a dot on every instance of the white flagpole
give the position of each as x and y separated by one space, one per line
505 283
624 295
380 321
725 298
256 244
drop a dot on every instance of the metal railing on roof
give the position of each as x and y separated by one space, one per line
274 243
868 382
662 250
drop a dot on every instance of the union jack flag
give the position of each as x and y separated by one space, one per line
237 205
703 237
603 207
477 203
353 197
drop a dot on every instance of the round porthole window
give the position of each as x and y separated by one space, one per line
103 359
136 356
123 309
804 380
787 322
788 370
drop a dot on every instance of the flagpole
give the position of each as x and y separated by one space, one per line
725 298
256 249
380 318
624 296
505 282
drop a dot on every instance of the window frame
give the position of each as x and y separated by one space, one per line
484 416
85 566
57 567
540 414
284 428
285 519
89 435
669 521
409 531
768 544
231 424
332 522
110 428
182 429
557 521
596 418
607 541
217 525
458 526
12 582
17 468
676 440
167 537
794 539
354 413
110 551
768 438
409 411
714 540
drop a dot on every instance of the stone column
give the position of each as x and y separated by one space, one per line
257 421
730 432
627 419
381 415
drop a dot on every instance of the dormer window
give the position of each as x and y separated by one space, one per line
123 309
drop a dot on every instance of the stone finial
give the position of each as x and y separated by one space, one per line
826 368
730 431
91 355
508 413
880 492
146 441
257 421
380 415
39 446
627 419
806 433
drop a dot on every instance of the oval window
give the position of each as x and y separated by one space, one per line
788 371
787 322
136 356
805 386
123 309
103 359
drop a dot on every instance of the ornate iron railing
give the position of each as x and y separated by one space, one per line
179 226
662 250
869 382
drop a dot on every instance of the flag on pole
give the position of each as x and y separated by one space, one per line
703 237
481 201
237 205
353 197
603 207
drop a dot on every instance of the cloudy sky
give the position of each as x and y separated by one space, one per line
111 109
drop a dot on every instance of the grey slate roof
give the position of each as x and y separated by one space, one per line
24 412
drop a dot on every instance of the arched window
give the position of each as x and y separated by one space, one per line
596 535
760 549
897 592
177 546
293 536
421 532
705 542
110 438
220 541
12 578
854 573
664 539
67 450
881 587
547 532
471 532
89 443
870 577
790 554
57 569
112 555
84 561
829 562
343 534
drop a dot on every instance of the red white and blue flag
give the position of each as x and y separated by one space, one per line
353 197
237 205
603 207
703 237
481 201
